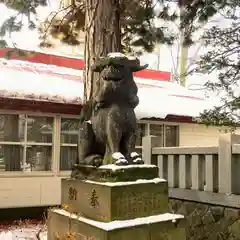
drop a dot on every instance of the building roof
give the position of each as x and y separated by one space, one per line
75 63
50 83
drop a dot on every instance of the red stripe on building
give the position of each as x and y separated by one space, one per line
153 74
190 97
48 59
78 64
66 76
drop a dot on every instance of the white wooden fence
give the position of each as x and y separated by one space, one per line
205 174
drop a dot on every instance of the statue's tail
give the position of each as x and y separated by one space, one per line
86 111
77 159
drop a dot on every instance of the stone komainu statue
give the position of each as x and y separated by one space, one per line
108 130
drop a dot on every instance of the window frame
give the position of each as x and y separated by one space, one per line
164 124
65 144
24 143
178 134
145 132
56 142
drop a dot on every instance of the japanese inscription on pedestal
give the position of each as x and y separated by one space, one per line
130 203
94 199
72 193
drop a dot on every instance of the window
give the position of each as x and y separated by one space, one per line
25 143
157 130
140 133
11 157
169 134
69 140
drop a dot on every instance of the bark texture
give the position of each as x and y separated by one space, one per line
102 36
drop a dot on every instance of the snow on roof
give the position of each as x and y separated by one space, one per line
41 82
24 80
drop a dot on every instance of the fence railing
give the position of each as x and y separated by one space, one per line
214 169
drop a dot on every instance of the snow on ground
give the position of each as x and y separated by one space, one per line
27 233
23 231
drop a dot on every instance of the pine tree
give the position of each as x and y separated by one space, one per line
136 30
109 26
223 56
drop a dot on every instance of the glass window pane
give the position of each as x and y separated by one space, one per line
69 130
157 130
140 133
171 136
39 129
12 127
11 157
68 156
38 158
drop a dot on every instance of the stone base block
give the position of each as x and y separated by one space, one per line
114 173
62 224
109 201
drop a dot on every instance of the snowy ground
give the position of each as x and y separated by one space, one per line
23 231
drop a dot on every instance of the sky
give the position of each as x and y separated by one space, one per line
167 56
27 39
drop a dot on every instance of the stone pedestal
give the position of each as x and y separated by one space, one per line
108 208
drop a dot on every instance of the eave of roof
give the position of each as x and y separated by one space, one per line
76 63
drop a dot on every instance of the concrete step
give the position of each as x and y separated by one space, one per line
159 227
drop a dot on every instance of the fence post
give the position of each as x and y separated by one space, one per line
226 166
148 142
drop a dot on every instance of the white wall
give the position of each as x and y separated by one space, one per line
199 135
21 190
192 134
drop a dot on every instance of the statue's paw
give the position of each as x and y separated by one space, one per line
119 159
136 158
121 162
97 162
89 121
94 160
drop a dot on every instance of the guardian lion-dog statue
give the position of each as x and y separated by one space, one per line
108 121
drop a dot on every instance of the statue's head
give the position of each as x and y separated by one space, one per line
117 66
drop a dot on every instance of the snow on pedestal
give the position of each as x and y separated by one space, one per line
114 225
114 173
163 226
139 181
116 167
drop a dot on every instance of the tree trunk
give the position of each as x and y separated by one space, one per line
102 36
